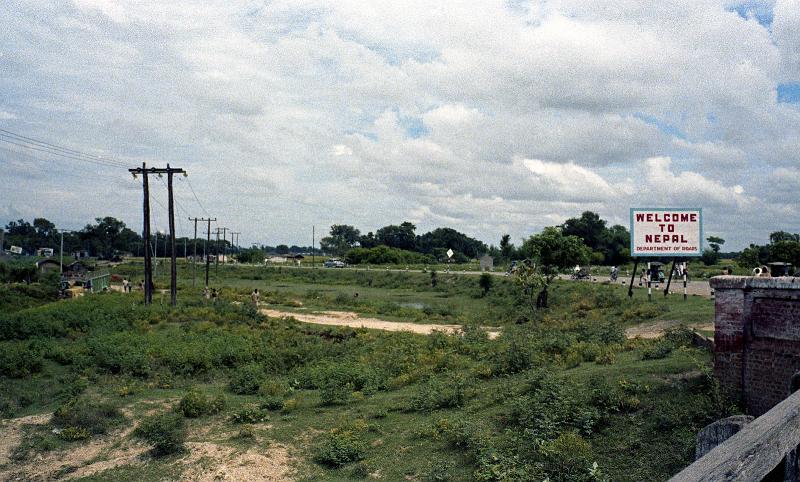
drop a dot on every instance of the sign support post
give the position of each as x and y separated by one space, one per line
666 232
669 280
633 275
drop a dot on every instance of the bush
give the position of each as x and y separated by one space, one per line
661 349
515 358
250 414
272 403
71 434
94 418
165 432
339 447
247 380
550 407
439 393
568 458
18 360
195 404
338 382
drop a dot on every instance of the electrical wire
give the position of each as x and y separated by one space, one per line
55 149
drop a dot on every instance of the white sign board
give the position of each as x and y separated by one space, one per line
16 250
450 253
666 232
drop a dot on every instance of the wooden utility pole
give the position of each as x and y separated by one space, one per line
194 256
206 247
148 262
313 240
224 246
235 244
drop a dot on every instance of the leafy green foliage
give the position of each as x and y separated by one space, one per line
196 404
166 432
339 447
92 417
247 379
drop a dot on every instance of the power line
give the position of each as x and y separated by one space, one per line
54 149
195 196
29 157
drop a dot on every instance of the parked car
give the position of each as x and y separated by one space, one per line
334 263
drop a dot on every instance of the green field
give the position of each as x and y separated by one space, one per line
560 394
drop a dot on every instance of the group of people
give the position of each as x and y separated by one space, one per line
211 294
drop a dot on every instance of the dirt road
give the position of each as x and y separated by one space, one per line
354 320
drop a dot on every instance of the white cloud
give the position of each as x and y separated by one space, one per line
492 118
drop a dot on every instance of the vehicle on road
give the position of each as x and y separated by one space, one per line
334 263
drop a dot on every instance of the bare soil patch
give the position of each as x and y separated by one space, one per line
657 329
354 320
209 462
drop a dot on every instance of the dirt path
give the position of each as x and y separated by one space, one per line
354 320
657 329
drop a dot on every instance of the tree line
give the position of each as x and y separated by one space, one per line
105 238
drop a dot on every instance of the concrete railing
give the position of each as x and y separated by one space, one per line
755 451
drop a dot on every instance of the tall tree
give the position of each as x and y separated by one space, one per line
552 251
342 237
400 237
715 242
589 227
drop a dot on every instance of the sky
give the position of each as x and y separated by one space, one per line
489 117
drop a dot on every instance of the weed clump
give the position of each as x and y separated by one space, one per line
196 404
339 447
166 432
247 380
439 393
250 414
86 417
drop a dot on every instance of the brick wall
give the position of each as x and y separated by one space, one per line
756 338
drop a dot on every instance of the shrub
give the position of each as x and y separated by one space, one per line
247 380
194 404
273 388
250 414
165 432
338 382
661 349
94 418
18 360
71 434
272 403
515 358
439 393
218 404
679 336
338 448
568 458
606 357
290 405
550 407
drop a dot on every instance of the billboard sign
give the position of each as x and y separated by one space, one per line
16 249
666 232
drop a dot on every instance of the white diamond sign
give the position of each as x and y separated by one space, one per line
449 253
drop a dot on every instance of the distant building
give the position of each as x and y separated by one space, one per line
275 259
80 254
46 252
48 266
487 262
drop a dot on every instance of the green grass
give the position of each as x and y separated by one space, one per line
351 403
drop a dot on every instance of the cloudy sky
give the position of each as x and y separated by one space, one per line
490 117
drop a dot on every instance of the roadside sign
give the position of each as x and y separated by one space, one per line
666 232
16 249
450 253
